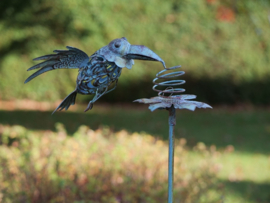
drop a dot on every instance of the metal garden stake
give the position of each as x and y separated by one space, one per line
103 68
171 102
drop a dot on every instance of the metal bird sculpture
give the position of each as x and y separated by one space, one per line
96 72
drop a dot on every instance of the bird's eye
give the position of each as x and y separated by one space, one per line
117 45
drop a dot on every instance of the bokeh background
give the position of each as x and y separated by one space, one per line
111 154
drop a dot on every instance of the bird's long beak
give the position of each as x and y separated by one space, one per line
141 52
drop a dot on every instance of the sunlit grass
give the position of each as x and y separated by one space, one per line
238 166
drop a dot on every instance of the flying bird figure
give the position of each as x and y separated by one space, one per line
96 72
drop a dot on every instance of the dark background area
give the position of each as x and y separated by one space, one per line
223 46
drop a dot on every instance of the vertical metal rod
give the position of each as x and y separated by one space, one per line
172 122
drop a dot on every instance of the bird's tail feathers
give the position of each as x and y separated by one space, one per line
69 100
70 59
42 70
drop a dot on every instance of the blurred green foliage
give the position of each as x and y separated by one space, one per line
225 42
53 167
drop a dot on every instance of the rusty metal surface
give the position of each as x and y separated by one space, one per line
96 72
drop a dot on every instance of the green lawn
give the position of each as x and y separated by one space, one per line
243 137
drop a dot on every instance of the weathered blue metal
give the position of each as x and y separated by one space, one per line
102 69
96 72
172 123
171 102
178 101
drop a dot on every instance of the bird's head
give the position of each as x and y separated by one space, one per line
122 53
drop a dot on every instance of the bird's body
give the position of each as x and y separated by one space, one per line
97 75
96 72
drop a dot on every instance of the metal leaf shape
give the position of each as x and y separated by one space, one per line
179 102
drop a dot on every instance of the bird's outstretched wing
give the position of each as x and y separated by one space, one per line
71 58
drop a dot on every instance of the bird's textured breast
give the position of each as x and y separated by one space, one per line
97 75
